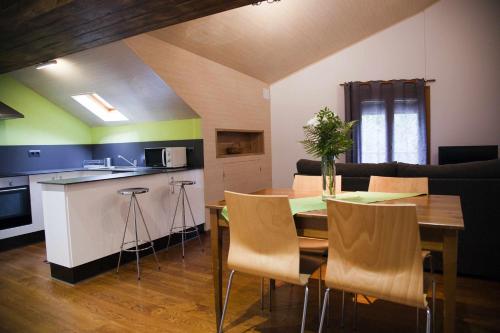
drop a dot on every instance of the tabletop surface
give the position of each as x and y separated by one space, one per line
440 211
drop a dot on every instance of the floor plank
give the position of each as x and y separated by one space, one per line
179 298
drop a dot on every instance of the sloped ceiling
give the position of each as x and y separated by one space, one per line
115 73
271 41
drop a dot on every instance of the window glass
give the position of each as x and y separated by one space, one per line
405 131
373 132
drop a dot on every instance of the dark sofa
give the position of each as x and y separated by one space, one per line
477 184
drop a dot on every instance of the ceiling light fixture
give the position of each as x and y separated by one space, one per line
266 1
46 64
98 106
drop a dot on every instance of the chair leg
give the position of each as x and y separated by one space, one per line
229 282
270 294
261 294
328 312
136 238
355 313
417 324
319 293
304 312
433 305
123 238
342 314
194 223
149 235
428 321
325 305
173 221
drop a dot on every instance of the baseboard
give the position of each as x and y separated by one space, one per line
21 240
79 273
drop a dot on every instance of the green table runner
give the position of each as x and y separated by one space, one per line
308 204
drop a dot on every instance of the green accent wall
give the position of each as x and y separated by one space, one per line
185 129
44 123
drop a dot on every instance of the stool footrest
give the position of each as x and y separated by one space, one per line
138 250
180 230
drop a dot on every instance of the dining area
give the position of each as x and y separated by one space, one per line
373 247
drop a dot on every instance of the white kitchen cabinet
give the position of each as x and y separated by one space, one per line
84 221
36 192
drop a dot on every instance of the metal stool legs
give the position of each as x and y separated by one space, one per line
183 230
134 204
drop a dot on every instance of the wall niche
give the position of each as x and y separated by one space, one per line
232 143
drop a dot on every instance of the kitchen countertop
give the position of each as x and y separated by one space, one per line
44 171
122 173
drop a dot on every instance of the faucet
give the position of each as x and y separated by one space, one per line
132 164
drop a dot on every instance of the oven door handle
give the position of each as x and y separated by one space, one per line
14 189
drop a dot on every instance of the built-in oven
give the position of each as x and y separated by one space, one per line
15 208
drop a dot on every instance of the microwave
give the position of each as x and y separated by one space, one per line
165 157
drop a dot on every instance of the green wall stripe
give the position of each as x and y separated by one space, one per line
185 129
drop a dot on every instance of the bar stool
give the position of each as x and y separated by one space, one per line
183 229
133 192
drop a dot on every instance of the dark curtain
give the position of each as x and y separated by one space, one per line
390 98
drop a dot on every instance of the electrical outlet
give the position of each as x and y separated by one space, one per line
34 153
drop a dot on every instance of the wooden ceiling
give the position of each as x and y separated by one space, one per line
33 31
271 41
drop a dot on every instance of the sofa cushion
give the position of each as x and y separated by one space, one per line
308 167
481 169
313 168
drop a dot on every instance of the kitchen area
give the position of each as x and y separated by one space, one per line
72 137
78 211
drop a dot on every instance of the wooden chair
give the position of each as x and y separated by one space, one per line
314 183
375 250
264 242
399 184
404 185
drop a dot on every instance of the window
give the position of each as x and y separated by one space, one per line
98 106
392 121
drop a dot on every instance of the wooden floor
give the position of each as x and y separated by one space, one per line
179 298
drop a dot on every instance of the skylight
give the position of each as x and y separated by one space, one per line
98 106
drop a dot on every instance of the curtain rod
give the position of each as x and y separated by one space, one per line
389 81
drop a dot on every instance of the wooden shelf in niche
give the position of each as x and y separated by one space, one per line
232 143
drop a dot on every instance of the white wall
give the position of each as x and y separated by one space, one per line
456 42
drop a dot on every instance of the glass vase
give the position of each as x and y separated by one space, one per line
328 172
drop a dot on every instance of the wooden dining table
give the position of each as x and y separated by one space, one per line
439 217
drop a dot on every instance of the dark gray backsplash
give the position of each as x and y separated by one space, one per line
16 158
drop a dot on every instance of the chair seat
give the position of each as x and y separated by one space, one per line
313 245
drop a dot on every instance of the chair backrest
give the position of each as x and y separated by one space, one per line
263 237
314 183
375 250
399 184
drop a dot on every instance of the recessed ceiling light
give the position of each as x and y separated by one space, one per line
98 106
46 64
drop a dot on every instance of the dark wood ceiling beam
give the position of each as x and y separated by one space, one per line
33 31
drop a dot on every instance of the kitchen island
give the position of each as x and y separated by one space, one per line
85 217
